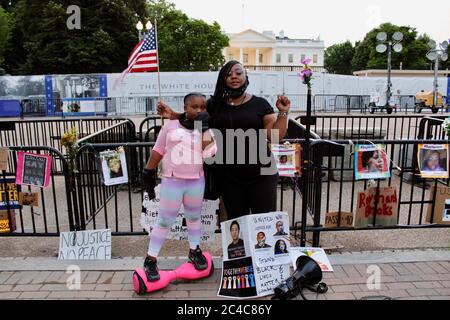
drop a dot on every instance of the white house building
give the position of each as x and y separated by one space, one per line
265 50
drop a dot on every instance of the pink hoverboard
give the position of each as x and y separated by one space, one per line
186 271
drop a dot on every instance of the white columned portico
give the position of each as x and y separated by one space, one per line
257 57
241 55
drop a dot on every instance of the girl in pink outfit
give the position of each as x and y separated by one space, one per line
181 145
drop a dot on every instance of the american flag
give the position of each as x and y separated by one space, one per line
144 56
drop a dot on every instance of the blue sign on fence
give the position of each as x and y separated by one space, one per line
50 104
448 90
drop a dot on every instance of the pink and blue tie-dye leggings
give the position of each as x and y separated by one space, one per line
173 193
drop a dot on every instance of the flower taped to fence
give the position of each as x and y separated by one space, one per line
306 73
69 140
446 126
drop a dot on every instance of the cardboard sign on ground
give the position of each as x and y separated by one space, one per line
387 208
441 206
85 245
332 218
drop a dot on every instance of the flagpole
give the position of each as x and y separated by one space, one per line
157 62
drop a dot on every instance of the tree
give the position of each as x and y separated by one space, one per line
42 42
338 58
413 55
5 33
186 44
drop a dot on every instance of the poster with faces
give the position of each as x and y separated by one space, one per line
433 160
371 162
269 239
256 247
113 167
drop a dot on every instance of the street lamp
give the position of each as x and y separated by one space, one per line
435 54
140 27
389 45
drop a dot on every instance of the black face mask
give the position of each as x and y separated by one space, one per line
189 123
235 93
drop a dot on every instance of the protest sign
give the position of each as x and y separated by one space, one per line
386 207
5 221
9 194
318 254
33 169
179 230
85 245
440 204
259 240
332 218
29 199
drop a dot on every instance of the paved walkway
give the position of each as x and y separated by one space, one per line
404 275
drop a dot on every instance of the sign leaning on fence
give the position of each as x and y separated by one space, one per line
9 194
33 169
85 245
440 204
384 202
255 255
178 231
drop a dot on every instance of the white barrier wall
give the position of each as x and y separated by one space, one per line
181 83
265 83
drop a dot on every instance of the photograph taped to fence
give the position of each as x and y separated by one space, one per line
33 169
371 162
113 167
287 158
432 160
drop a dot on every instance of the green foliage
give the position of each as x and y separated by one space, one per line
5 33
413 55
43 44
338 58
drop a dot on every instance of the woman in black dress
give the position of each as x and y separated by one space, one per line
247 180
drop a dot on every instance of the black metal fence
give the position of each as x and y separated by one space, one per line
329 175
146 105
369 127
48 132
55 212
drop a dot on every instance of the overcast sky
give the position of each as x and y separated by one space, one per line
334 21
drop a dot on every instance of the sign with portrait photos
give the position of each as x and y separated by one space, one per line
259 246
